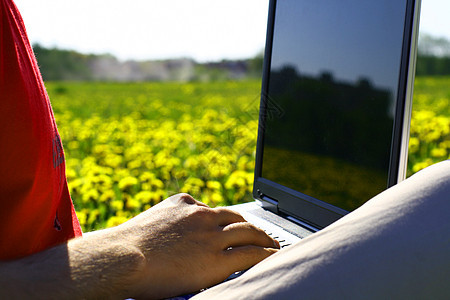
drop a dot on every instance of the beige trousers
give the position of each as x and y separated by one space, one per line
396 246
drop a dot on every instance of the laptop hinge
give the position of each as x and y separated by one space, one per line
269 204
270 200
303 224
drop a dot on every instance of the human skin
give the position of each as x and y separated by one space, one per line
178 246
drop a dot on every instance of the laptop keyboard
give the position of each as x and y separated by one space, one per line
284 237
282 241
283 244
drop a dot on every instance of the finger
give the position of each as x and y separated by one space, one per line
244 233
244 257
225 216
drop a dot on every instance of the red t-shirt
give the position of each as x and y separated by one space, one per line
36 210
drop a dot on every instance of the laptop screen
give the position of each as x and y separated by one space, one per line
331 98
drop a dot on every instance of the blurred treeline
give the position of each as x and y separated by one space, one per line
68 65
433 56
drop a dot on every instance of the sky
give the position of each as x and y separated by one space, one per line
362 46
205 30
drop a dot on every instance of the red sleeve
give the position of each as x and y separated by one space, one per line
36 211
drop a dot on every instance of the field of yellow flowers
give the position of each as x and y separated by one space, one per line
130 145
430 123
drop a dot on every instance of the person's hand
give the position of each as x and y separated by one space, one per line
188 246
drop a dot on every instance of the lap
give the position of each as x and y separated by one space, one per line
397 244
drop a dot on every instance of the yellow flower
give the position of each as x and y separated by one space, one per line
117 205
113 160
216 198
115 220
413 145
127 182
90 195
93 215
70 173
132 204
144 197
422 165
134 164
215 185
107 196
439 153
147 176
157 184
82 216
237 180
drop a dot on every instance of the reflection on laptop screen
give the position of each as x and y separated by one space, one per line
334 79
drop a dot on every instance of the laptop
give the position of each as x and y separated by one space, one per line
334 113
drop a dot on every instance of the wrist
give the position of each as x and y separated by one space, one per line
104 265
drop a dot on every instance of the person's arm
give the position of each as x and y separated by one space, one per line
178 246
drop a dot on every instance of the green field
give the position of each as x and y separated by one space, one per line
130 145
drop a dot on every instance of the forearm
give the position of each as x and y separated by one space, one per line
178 246
95 266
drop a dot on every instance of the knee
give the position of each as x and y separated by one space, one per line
428 194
